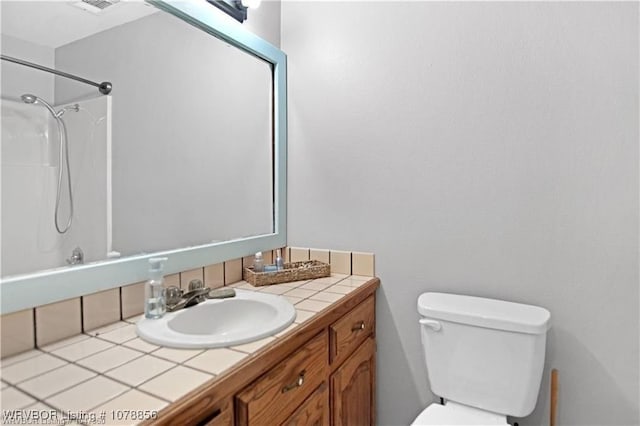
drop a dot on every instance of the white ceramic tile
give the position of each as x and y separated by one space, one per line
214 275
132 299
321 255
315 286
57 380
301 293
82 349
274 289
111 358
251 347
134 319
87 395
243 285
362 264
5 362
352 282
66 342
302 316
340 289
106 328
53 416
140 370
232 271
311 305
340 261
13 399
101 308
17 333
57 321
298 254
30 368
215 360
326 297
177 355
360 277
120 410
329 280
294 284
120 334
286 330
175 383
140 345
293 299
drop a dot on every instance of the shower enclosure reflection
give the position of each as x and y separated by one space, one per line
54 174
179 155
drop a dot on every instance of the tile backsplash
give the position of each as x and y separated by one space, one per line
47 324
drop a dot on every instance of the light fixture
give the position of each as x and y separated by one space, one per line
237 9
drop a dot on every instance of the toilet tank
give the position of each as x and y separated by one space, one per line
484 353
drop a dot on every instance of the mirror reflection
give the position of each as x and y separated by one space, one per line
179 154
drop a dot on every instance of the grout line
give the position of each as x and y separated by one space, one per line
82 314
35 331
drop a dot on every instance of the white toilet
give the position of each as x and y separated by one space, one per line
484 357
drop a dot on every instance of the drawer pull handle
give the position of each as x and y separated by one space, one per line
358 326
299 382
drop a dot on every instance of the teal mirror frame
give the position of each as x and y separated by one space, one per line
48 286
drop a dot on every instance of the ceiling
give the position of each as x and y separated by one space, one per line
56 23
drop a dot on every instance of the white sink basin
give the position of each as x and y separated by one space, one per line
217 323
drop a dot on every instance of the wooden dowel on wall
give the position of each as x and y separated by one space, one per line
554 397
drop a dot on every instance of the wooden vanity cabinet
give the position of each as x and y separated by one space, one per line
320 374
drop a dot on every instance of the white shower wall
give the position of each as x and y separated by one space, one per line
29 183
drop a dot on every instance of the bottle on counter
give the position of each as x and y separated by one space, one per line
279 261
258 262
155 305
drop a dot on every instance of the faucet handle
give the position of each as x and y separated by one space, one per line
195 284
173 295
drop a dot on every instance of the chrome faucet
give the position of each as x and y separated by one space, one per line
77 257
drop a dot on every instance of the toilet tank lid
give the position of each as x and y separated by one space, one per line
482 312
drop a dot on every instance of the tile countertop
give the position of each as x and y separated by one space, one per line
110 376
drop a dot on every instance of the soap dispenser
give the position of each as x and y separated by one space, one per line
155 305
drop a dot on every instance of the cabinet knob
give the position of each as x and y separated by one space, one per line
299 382
358 326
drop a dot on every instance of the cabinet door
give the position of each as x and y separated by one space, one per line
353 388
314 411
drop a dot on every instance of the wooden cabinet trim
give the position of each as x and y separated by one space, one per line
194 407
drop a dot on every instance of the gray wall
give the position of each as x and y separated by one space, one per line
17 80
488 149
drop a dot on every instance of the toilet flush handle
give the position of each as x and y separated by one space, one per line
434 325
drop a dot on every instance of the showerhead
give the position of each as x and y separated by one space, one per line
29 99
33 99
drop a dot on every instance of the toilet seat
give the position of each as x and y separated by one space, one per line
458 414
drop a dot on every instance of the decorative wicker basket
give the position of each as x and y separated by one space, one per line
295 271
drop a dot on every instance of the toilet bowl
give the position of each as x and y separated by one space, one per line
485 357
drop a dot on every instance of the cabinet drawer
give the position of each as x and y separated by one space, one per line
314 411
350 331
274 396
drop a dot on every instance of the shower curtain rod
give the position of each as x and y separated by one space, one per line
104 87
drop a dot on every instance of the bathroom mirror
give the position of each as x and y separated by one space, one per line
187 155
